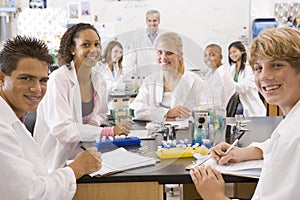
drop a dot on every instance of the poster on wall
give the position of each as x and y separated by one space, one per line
38 4
74 12
85 8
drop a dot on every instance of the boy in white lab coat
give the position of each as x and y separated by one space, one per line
24 175
218 78
274 56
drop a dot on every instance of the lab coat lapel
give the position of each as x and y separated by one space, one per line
146 38
77 96
109 73
181 92
24 136
158 89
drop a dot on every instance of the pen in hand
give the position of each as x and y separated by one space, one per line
231 146
82 146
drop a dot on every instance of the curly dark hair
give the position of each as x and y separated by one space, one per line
67 42
22 47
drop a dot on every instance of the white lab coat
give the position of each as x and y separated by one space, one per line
280 176
221 86
252 104
191 91
23 170
113 81
141 53
59 125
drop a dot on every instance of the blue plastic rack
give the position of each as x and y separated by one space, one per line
118 142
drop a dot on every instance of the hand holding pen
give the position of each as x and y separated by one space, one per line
86 162
93 151
224 153
206 158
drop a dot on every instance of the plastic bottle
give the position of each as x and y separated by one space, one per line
244 38
126 108
128 87
199 134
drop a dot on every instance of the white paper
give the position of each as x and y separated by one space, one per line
142 134
250 168
120 160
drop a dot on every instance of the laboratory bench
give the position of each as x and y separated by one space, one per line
148 182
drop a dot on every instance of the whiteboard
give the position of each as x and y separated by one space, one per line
199 22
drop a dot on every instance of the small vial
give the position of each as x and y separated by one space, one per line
110 138
211 133
122 137
115 111
207 143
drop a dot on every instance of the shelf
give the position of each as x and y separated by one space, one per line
8 9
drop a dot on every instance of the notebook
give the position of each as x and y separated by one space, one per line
250 168
120 160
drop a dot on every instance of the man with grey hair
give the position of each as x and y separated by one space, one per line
152 21
141 52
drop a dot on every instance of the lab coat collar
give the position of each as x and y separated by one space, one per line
72 73
185 84
7 111
159 88
10 115
180 92
293 112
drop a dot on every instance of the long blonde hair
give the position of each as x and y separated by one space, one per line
174 39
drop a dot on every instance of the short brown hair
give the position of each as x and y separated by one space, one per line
278 43
22 47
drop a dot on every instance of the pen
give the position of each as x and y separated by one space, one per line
163 106
82 145
231 146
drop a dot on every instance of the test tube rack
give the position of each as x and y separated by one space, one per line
181 152
118 142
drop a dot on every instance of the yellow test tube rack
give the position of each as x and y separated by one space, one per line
181 152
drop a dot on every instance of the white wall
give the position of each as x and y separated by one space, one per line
200 22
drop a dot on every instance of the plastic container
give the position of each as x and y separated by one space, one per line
262 23
118 142
184 152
